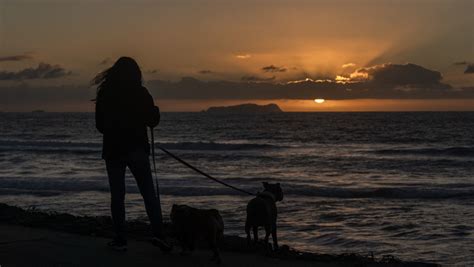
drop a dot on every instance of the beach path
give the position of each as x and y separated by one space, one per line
24 246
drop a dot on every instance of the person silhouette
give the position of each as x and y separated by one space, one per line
123 110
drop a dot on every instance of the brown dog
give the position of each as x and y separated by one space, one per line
191 224
262 211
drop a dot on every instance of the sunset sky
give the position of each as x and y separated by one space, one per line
365 55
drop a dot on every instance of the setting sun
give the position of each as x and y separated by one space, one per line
319 100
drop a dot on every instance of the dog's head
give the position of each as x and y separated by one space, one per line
275 189
179 213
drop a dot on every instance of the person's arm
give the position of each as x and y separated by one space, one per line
152 112
99 117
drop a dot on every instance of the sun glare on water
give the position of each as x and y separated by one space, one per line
319 100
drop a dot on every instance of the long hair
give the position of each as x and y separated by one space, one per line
124 75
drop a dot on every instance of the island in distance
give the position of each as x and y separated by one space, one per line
245 109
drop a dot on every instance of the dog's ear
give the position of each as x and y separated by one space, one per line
265 185
280 196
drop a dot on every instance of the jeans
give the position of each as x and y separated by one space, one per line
139 165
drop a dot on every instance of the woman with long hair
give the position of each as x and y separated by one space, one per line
124 109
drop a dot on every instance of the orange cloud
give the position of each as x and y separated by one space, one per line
348 65
243 56
342 79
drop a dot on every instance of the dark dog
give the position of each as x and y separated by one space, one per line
191 224
262 211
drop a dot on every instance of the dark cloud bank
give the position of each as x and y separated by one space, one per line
273 68
205 72
43 71
23 94
387 81
253 78
16 58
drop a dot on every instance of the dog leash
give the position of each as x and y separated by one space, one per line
154 163
189 166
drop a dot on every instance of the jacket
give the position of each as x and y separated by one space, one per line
122 116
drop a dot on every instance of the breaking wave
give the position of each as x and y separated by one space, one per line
47 186
90 147
435 152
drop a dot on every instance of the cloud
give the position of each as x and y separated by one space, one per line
22 96
43 71
252 78
399 74
348 65
386 81
342 79
16 57
154 71
105 61
205 72
18 95
469 66
273 68
469 69
358 76
243 56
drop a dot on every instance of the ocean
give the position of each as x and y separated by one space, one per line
387 183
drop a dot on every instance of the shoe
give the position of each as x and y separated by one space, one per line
118 245
164 245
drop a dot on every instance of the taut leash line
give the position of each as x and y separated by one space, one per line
154 163
187 165
203 173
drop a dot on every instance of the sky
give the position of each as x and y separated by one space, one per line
366 55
